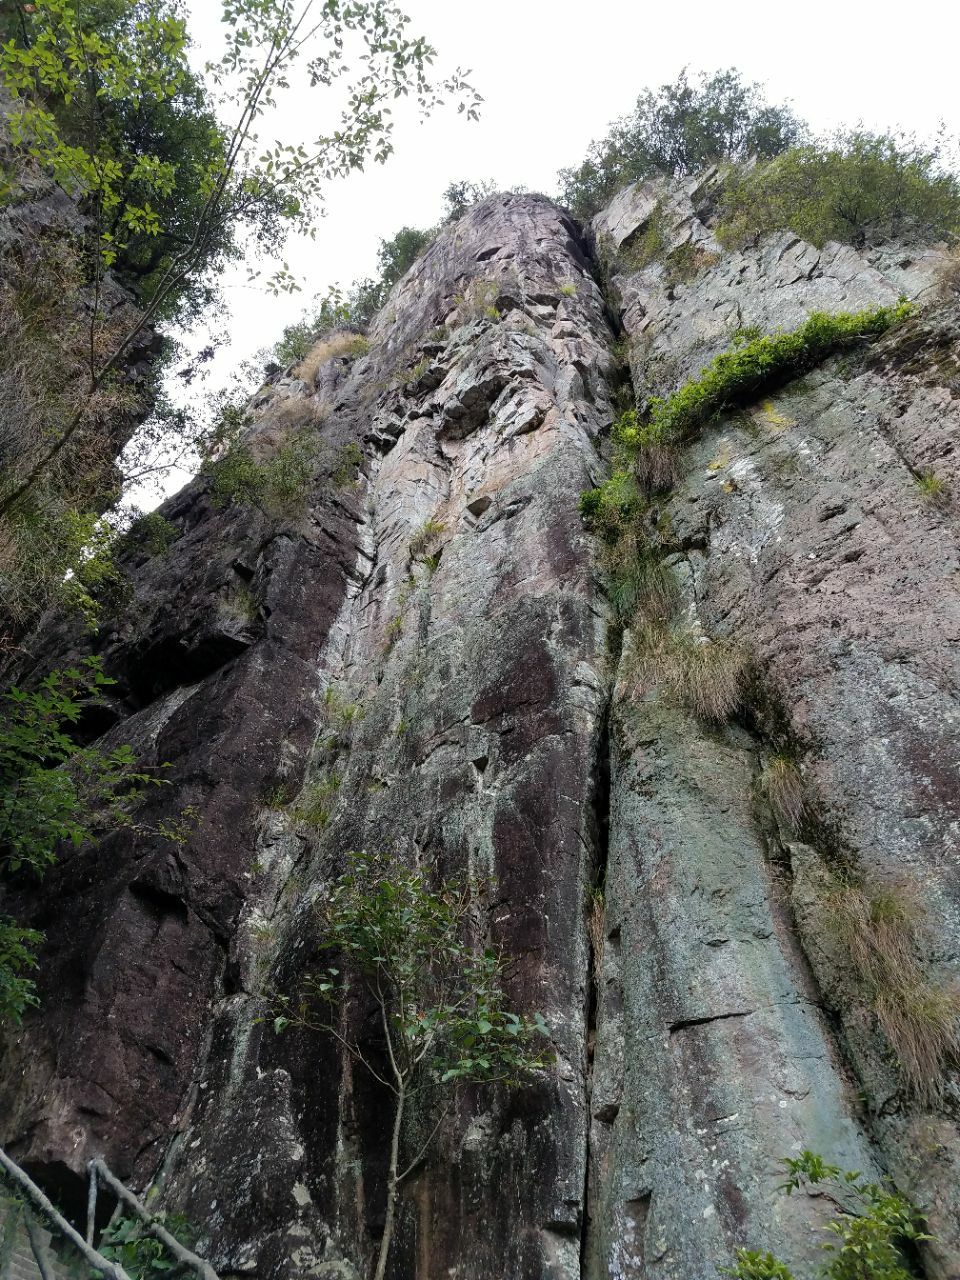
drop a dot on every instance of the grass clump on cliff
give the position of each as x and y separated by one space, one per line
707 676
854 187
342 344
782 787
881 928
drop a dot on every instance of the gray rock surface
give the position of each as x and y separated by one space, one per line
800 531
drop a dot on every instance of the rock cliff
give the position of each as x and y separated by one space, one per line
422 640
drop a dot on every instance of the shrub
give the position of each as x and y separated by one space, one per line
149 532
867 1242
679 129
853 187
568 289
128 1241
278 485
881 928
17 957
347 465
705 676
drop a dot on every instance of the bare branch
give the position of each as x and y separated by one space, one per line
156 1228
25 1183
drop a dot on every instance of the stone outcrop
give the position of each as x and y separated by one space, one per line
422 639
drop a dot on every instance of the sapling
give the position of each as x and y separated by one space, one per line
406 947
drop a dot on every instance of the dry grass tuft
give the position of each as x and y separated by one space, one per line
596 912
881 927
330 347
782 787
658 466
705 676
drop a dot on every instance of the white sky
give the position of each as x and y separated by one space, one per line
554 73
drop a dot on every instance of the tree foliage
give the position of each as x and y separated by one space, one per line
53 790
852 187
406 949
679 129
104 102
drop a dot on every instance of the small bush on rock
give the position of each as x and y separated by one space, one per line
853 187
868 1241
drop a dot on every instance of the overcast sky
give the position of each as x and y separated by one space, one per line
554 73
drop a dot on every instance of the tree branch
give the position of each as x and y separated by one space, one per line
24 1183
182 1254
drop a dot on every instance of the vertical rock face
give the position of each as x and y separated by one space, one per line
799 530
445 597
417 649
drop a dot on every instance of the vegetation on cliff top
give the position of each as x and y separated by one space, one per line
678 130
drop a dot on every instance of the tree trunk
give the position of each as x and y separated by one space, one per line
393 1182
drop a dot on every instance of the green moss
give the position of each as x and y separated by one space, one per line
737 376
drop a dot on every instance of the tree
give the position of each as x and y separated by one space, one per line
137 55
679 129
438 999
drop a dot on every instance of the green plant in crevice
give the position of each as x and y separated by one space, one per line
932 488
424 541
782 787
348 464
314 805
735 377
752 1264
868 1239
